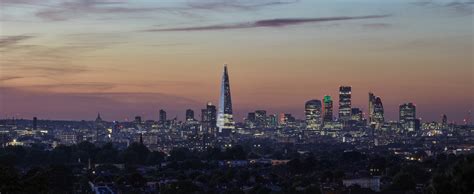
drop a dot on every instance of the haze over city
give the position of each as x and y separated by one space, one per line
72 59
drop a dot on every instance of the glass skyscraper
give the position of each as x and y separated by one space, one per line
208 118
225 120
327 109
313 114
408 116
345 103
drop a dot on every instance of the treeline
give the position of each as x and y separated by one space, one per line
82 153
61 170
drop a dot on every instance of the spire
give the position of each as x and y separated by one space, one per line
98 119
225 118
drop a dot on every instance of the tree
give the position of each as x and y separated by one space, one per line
155 158
9 180
403 181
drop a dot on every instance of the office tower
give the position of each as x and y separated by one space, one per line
272 121
162 119
251 117
209 118
327 115
378 117
408 116
344 103
250 121
313 114
371 106
281 119
225 120
189 115
35 123
260 118
138 120
98 119
115 128
289 120
356 115
286 120
444 121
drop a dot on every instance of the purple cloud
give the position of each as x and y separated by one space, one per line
236 4
281 22
463 7
7 41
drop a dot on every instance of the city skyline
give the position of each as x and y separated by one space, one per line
72 59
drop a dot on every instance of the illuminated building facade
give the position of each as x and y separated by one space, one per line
378 113
313 114
261 118
345 103
407 116
225 120
209 118
356 115
327 115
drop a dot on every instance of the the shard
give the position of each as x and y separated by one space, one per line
225 120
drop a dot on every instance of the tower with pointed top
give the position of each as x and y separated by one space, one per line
98 119
225 120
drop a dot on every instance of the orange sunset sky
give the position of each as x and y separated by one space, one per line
72 59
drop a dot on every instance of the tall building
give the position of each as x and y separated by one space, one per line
327 115
313 114
225 120
162 119
378 117
345 103
98 119
272 121
138 120
189 115
407 117
444 121
251 120
356 115
286 120
371 106
35 123
209 118
260 118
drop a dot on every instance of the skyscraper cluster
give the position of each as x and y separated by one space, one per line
318 114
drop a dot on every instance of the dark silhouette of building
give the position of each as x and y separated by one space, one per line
162 119
371 106
138 120
35 123
189 115
251 120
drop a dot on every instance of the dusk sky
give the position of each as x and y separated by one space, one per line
71 59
